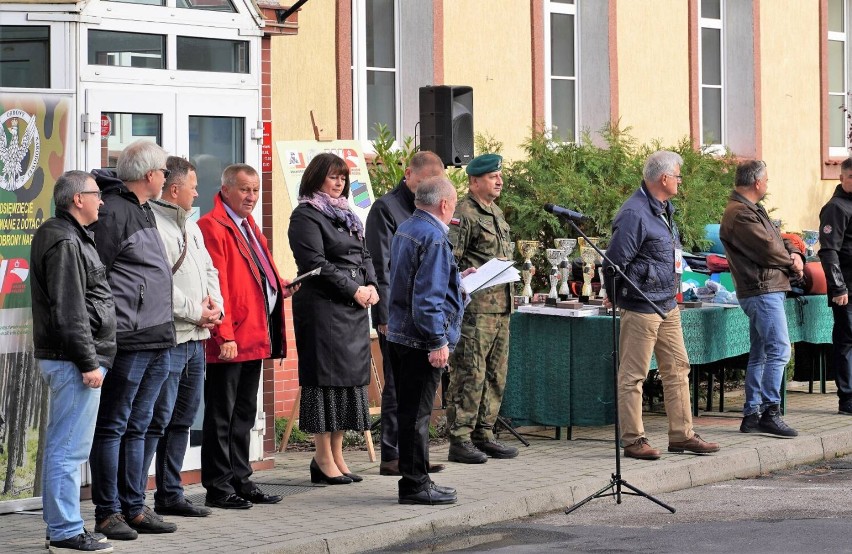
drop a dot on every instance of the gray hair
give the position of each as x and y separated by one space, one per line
138 158
69 184
749 173
660 163
431 191
229 175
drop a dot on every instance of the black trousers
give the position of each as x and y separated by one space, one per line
230 408
416 384
841 337
390 427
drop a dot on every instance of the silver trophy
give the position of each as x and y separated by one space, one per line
810 238
567 246
602 291
590 257
528 249
555 257
511 257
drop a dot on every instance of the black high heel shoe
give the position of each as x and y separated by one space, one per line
355 477
317 476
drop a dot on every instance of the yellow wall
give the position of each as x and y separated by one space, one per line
304 78
495 58
653 69
791 112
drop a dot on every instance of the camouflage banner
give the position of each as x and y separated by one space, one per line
33 154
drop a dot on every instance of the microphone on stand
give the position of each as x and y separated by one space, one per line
565 212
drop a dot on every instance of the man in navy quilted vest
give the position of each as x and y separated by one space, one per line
645 244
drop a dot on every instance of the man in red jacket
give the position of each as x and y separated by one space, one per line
252 330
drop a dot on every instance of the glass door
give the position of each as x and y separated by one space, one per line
218 131
210 130
117 117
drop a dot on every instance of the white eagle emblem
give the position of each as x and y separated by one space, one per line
18 153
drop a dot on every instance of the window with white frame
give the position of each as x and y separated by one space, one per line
712 72
25 56
375 79
560 61
837 70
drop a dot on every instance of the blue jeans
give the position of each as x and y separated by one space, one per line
71 425
118 451
770 350
168 433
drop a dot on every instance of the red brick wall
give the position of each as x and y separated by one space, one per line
280 378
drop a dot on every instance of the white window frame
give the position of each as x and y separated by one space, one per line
551 8
835 36
708 23
171 22
360 123
61 48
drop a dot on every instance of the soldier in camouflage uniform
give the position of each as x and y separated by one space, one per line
479 364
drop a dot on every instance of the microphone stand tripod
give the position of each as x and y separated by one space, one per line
616 482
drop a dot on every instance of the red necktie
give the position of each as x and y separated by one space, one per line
261 258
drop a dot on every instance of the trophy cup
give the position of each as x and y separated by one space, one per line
589 257
602 291
810 238
515 299
527 248
566 245
555 257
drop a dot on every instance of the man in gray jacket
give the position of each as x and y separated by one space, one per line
197 307
140 277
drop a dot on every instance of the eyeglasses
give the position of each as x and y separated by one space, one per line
166 173
678 177
99 193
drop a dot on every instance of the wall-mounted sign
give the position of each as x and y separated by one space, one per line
106 126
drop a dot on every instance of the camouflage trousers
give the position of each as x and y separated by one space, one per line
478 368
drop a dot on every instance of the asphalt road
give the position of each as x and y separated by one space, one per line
807 509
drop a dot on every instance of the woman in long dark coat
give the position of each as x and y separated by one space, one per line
330 315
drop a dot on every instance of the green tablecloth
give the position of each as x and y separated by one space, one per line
560 370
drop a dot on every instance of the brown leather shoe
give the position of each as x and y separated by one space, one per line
436 468
389 468
642 450
696 444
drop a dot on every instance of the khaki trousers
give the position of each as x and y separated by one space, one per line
640 336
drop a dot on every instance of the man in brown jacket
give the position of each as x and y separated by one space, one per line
761 263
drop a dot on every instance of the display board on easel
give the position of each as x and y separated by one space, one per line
295 156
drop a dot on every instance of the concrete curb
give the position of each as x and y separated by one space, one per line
692 471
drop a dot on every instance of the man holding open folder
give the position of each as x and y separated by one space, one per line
478 368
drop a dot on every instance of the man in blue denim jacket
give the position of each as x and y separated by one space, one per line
646 246
424 325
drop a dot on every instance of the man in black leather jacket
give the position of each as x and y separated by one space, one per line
74 338
835 253
386 215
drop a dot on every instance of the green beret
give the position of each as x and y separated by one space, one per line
486 163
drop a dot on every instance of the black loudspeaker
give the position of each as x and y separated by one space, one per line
446 123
